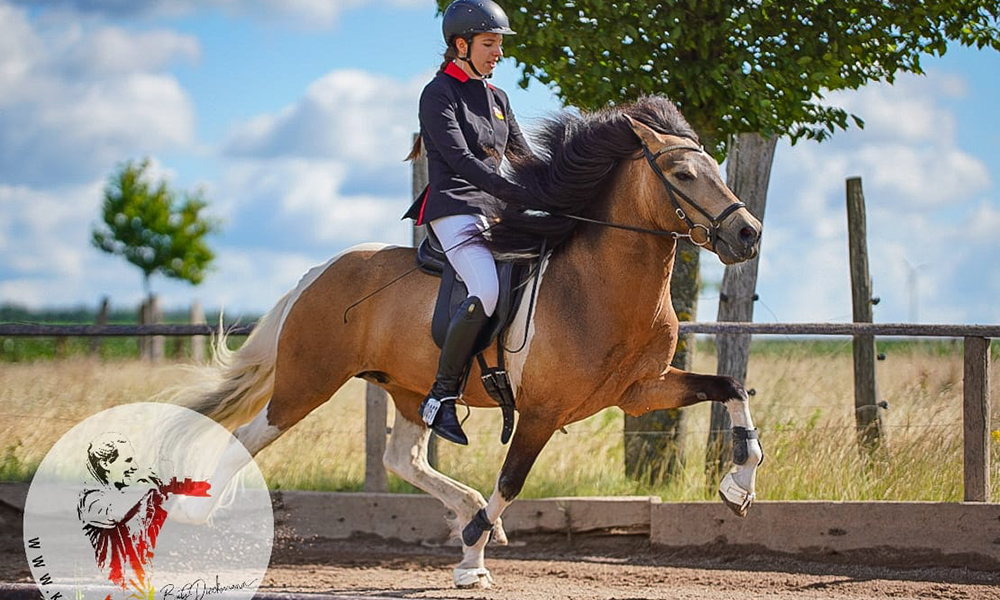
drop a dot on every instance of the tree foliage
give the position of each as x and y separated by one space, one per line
152 228
736 66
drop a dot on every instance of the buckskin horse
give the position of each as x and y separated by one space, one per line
616 189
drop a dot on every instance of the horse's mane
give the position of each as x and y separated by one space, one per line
576 155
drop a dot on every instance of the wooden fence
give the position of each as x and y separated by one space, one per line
976 391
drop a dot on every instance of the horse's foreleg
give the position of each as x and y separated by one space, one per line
679 388
406 456
529 439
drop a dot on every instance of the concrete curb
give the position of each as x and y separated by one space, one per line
888 533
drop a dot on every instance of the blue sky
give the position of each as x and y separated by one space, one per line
294 117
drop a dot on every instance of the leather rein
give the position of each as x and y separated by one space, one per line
711 233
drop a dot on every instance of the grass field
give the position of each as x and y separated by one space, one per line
803 407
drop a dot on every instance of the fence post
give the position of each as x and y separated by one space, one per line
376 405
976 417
867 417
101 319
144 341
197 317
157 342
419 182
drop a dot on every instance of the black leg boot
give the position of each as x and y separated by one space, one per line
438 409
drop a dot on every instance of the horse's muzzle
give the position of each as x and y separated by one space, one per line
739 238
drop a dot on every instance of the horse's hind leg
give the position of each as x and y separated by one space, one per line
294 396
406 456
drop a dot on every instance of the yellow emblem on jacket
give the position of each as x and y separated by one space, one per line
497 113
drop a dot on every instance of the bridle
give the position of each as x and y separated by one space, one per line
711 233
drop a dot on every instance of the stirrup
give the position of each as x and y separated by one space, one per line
446 425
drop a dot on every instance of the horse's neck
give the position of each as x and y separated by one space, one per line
625 273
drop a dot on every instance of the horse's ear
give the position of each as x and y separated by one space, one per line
645 132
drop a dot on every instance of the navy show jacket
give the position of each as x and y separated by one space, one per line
467 127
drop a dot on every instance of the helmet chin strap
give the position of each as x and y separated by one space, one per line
468 61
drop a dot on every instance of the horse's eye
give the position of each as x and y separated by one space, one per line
684 175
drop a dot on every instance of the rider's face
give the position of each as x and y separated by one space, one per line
486 51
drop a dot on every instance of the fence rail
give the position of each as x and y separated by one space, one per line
816 329
976 408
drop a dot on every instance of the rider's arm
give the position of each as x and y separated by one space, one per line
437 115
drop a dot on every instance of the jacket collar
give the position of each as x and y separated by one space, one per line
456 72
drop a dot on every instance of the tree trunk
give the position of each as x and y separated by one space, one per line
653 441
748 171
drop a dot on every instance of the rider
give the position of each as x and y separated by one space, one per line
467 127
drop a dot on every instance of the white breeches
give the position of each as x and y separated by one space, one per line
472 260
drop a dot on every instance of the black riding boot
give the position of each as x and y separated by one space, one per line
438 408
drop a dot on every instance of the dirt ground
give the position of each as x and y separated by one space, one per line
584 567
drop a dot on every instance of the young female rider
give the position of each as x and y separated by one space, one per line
467 128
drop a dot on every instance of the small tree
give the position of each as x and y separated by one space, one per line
148 225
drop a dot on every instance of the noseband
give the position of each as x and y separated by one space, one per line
711 234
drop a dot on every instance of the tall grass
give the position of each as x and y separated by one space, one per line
804 408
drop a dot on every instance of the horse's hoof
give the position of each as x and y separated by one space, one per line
736 498
478 577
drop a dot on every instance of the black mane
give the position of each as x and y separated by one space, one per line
570 174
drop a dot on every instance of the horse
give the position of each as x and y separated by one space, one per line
615 190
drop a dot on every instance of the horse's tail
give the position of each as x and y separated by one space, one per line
236 385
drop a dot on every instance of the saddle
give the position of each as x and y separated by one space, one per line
513 279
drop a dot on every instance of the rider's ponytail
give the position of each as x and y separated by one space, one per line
449 55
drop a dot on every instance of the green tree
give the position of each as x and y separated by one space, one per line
735 66
743 73
152 228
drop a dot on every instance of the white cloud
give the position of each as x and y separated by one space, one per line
75 101
306 198
346 115
925 209
311 14
47 232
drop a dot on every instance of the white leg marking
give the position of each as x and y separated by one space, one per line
257 434
406 456
738 486
516 335
472 571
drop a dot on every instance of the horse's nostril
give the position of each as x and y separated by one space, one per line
748 235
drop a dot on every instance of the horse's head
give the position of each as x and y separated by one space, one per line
687 196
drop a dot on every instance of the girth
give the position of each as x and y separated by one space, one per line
513 279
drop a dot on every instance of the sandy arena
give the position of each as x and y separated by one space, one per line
581 567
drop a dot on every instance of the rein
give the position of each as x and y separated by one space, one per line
711 234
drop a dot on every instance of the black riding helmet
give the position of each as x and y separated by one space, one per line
466 18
